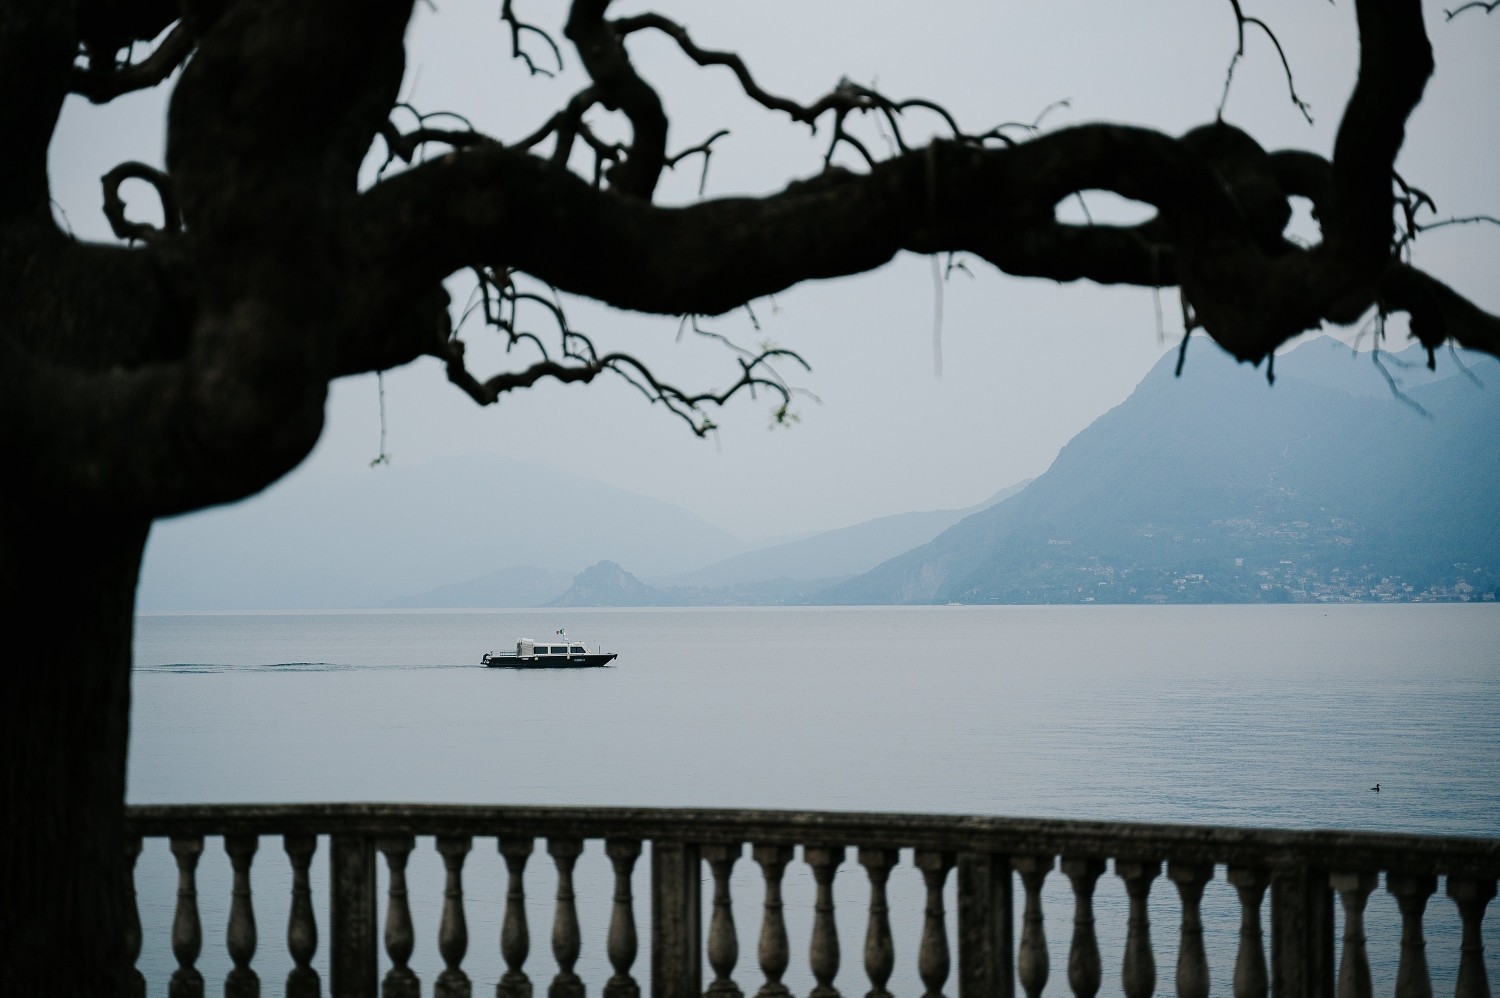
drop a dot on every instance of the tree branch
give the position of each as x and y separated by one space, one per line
518 29
619 88
1241 23
218 346
102 85
1488 8
114 206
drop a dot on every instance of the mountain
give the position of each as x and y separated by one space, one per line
832 554
607 584
786 574
1219 487
373 538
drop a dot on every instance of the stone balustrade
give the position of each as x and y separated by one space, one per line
1300 873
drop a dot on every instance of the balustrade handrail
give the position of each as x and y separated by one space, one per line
1302 870
1461 856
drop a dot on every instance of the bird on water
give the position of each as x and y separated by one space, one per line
1376 788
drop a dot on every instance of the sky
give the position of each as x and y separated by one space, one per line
900 412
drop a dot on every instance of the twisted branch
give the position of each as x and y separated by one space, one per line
114 205
102 84
620 88
845 99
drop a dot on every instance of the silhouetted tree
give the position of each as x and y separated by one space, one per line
189 365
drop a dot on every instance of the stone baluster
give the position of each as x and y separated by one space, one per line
1411 892
823 956
622 855
1085 971
986 925
187 930
240 938
400 981
137 983
515 940
1138 972
453 928
932 957
1354 963
723 946
1250 978
1192 961
774 952
880 951
566 938
1031 962
353 914
1472 896
301 927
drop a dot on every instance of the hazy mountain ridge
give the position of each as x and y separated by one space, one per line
1157 499
390 535
1215 487
399 537
832 554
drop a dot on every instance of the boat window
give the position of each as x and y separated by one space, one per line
577 650
549 650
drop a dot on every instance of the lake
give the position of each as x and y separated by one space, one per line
1225 715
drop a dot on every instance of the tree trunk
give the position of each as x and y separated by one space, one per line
67 582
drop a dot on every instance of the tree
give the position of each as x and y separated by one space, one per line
188 365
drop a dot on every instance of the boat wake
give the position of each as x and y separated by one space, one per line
213 667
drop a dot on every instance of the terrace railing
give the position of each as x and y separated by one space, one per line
1301 871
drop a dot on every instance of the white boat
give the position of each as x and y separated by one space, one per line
560 652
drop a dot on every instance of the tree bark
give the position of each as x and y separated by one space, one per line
67 581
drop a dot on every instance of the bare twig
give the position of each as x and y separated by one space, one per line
405 145
705 149
498 298
1394 387
937 318
1466 220
998 132
383 457
1411 201
1241 22
1467 371
518 29
1488 8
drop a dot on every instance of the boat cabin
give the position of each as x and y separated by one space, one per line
528 647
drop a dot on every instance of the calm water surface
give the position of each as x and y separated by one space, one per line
1266 716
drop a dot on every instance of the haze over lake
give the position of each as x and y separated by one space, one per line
1226 715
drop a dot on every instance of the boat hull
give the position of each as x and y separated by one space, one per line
548 661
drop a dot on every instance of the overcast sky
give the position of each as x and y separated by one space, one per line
1025 365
